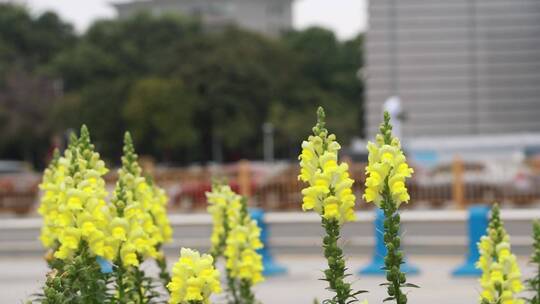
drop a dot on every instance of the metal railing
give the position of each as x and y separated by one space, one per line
450 186
275 187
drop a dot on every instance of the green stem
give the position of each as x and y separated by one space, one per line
120 287
394 256
536 299
88 276
335 274
231 284
164 274
245 292
138 282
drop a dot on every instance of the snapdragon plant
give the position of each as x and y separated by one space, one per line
329 193
386 173
74 224
236 237
501 276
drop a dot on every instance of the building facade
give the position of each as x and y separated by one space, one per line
460 67
265 16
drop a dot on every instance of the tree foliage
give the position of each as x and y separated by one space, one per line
188 93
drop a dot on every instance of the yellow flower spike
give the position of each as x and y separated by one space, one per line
326 177
243 263
386 162
194 278
501 276
134 231
72 185
158 209
329 193
385 186
224 206
52 197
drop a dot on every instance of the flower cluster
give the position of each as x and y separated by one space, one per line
133 229
83 230
224 206
243 261
158 210
51 186
501 276
236 236
387 166
194 278
73 205
329 190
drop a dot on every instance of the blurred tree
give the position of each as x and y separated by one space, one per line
27 43
98 105
126 48
29 40
186 92
237 75
159 113
112 60
330 71
25 100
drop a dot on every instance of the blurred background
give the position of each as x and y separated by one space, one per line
229 88
204 84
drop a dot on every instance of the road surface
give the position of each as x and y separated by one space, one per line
22 276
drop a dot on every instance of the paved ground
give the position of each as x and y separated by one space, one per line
20 277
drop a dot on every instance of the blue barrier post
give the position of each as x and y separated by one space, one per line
270 266
379 252
104 265
477 226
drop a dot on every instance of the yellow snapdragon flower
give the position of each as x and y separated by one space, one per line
501 276
237 237
134 232
194 278
158 209
387 167
52 194
329 190
73 203
224 207
90 191
243 261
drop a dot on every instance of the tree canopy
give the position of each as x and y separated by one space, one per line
186 92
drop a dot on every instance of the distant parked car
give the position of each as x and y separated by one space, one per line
18 186
482 181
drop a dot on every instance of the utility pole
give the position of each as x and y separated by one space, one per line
268 141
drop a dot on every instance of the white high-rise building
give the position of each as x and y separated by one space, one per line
460 67
264 16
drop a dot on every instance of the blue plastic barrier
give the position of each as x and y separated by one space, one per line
104 265
270 266
477 225
379 252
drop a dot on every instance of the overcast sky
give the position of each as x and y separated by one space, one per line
345 17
